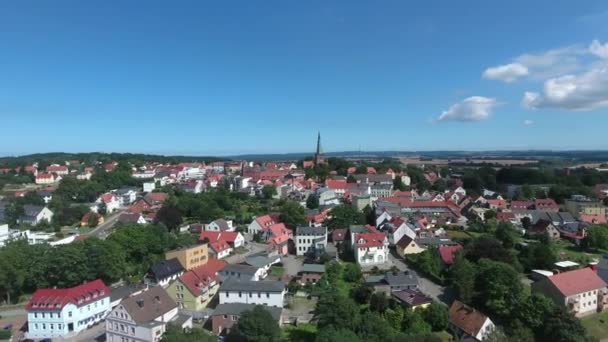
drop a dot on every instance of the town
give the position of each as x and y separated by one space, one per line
142 248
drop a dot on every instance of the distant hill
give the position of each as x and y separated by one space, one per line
61 157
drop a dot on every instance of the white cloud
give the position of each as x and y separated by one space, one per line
599 49
474 108
540 66
528 122
507 72
582 92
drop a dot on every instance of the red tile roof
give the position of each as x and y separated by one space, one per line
447 253
370 239
545 203
55 168
200 277
521 204
339 184
466 318
56 299
212 236
338 235
265 221
577 281
594 219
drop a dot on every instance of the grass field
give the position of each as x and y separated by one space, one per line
299 333
277 271
597 325
569 251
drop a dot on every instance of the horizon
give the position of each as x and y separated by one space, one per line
222 79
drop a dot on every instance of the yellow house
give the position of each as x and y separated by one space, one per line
191 256
195 289
407 246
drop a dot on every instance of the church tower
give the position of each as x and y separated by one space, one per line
319 151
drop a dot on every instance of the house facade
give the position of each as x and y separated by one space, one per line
271 293
57 312
191 256
467 323
225 316
142 317
34 214
310 240
164 272
581 291
371 248
194 289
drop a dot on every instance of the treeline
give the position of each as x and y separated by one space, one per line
127 253
44 159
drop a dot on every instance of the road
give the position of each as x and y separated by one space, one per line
428 287
101 231
12 312
252 248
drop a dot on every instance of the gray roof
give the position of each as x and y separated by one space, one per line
374 278
239 308
401 278
232 284
313 268
434 241
316 231
125 291
223 224
260 261
32 210
166 268
358 229
239 268
147 306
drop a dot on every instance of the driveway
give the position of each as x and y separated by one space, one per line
292 265
97 333
251 248
427 286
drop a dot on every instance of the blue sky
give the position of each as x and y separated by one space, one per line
226 77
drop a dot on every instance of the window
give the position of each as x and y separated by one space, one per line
267 294
240 294
43 315
132 330
35 315
43 326
36 326
259 295
59 326
51 326
234 317
250 294
225 316
122 327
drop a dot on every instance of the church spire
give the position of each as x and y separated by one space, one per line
319 151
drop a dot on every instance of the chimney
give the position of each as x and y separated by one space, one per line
157 299
140 303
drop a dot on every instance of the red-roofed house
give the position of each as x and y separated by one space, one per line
339 235
308 164
194 289
593 219
495 204
581 291
469 324
522 205
506 216
448 253
47 178
57 312
222 243
371 248
351 170
546 204
57 169
371 170
111 201
277 236
260 224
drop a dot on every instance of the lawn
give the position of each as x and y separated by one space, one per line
573 252
299 333
277 271
444 336
597 325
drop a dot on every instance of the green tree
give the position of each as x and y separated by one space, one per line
597 237
561 326
374 328
398 184
352 273
489 215
436 315
351 179
336 334
170 216
344 216
462 275
176 334
505 233
336 310
102 209
489 248
256 325
378 302
269 191
312 202
292 214
498 287
93 220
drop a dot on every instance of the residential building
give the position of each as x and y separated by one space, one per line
262 262
225 316
126 196
371 248
241 272
57 169
412 298
582 205
220 225
131 218
260 224
394 281
111 201
190 256
543 227
395 229
407 246
35 214
163 272
221 244
7 235
467 323
546 204
271 293
57 312
311 240
277 237
194 289
447 253
142 317
310 274
581 291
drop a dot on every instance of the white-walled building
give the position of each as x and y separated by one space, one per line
310 239
271 293
220 225
111 201
371 248
142 317
57 312
35 214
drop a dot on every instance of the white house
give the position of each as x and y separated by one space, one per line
111 201
310 240
149 186
220 225
142 317
126 196
469 324
371 248
164 272
7 235
271 293
260 224
47 178
57 312
35 214
395 229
